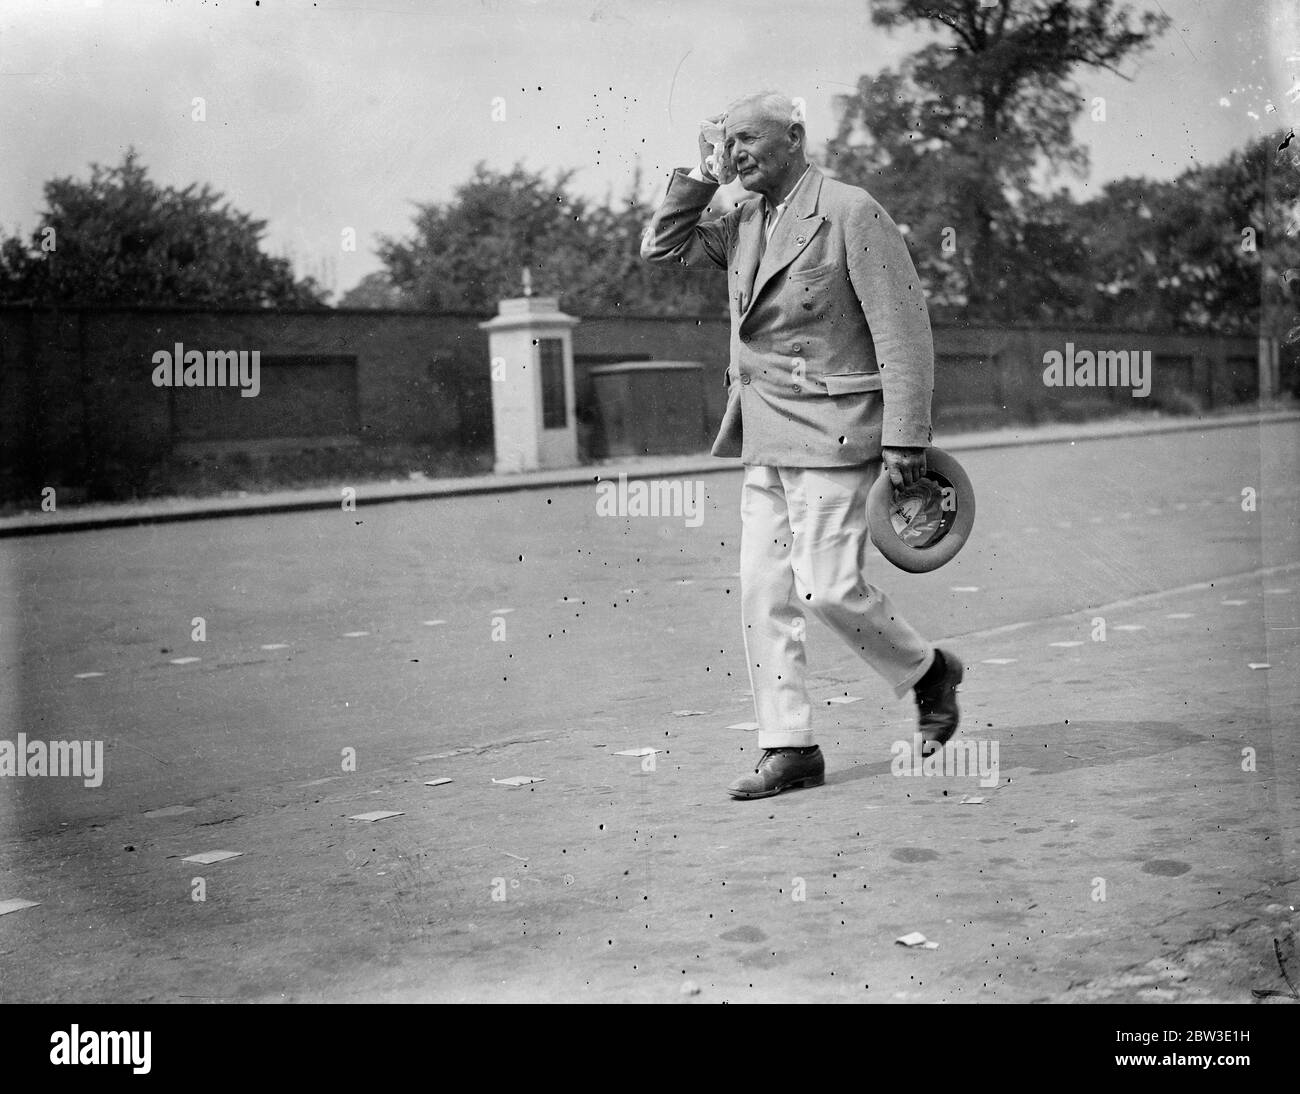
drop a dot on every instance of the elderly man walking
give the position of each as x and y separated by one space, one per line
831 373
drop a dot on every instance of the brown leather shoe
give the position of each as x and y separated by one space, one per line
781 769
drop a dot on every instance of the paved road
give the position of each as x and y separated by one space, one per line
1125 853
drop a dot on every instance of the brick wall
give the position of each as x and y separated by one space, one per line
76 383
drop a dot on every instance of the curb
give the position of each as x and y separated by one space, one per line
176 510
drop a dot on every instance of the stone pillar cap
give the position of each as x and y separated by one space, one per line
526 311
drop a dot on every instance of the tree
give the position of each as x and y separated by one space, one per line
375 290
1207 252
468 253
121 239
953 138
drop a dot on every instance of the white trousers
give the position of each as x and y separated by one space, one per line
803 549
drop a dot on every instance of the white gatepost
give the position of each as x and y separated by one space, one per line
531 348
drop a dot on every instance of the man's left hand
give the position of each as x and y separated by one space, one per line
906 466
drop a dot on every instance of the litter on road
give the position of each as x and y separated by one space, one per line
436 782
916 938
518 780
378 815
639 752
207 858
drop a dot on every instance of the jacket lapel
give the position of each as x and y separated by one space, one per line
793 232
748 249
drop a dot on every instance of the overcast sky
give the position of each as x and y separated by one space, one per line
341 113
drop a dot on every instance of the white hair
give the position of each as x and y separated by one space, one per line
775 106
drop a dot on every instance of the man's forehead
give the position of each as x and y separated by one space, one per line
746 116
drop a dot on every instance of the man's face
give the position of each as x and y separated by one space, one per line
758 148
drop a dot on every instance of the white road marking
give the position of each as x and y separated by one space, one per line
17 905
999 661
1065 645
87 675
183 660
1130 602
170 811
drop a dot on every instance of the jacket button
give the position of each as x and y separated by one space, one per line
796 347
744 337
745 378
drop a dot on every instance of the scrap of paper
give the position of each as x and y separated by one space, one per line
207 858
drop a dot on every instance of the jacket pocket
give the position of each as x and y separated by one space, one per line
812 273
852 383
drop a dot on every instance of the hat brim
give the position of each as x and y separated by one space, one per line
906 556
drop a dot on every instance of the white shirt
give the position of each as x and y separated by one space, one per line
770 217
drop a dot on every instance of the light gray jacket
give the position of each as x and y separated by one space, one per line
831 351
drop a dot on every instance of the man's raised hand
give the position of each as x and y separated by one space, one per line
712 151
